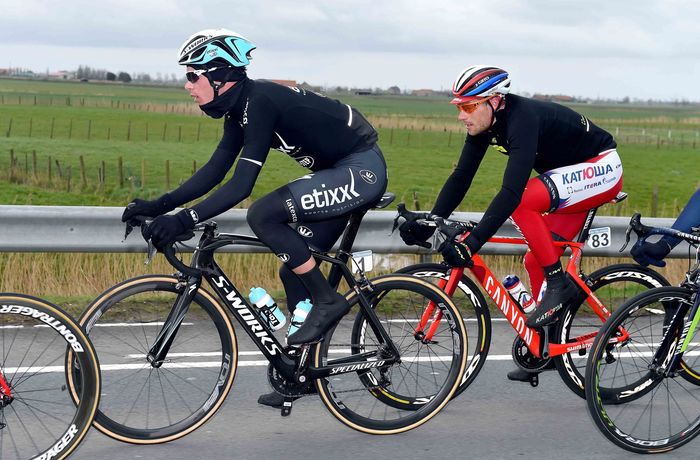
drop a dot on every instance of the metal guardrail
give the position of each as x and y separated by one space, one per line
99 229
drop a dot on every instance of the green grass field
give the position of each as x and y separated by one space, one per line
57 123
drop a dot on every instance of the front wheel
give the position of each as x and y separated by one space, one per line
475 313
612 285
661 412
149 404
403 395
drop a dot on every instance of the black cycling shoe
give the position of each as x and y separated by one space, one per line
273 399
553 303
321 317
276 400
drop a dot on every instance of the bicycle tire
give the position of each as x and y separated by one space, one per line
205 368
477 319
664 409
33 365
377 385
606 283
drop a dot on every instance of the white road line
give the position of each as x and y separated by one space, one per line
252 363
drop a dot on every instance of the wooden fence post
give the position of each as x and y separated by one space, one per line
194 166
89 129
120 168
9 129
143 173
83 177
12 165
167 174
53 123
654 200
35 172
416 204
50 169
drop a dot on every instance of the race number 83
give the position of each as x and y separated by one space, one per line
599 237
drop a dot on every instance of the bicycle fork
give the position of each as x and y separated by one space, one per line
667 358
161 345
433 314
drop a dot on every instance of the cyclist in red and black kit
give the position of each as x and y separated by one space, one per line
578 169
330 138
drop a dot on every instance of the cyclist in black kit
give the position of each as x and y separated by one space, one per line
328 137
578 169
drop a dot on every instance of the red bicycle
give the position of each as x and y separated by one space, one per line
565 342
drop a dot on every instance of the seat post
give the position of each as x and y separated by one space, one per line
345 247
587 226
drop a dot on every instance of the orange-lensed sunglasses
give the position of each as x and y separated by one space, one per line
470 107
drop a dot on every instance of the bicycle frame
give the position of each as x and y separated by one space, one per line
537 342
5 391
251 320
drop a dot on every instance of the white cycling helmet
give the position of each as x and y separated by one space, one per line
479 81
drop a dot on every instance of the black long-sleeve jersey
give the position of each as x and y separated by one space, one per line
534 135
314 130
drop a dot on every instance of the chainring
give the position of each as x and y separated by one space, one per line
284 386
525 359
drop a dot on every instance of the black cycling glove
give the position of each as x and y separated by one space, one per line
651 253
413 232
456 254
153 208
165 229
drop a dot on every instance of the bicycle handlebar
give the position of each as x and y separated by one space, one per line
450 228
168 250
644 231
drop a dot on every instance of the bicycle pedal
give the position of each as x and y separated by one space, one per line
534 380
287 406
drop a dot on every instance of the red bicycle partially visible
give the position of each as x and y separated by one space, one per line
565 342
38 417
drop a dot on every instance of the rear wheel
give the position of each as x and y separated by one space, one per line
612 285
396 397
38 418
148 404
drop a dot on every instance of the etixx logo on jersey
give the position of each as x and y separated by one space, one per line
284 257
329 197
368 176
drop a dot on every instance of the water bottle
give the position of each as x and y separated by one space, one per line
269 310
519 293
300 312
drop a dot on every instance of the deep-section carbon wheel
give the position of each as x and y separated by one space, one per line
147 404
38 417
612 285
657 412
400 396
475 313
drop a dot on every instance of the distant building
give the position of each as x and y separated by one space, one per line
62 75
4 71
422 92
363 92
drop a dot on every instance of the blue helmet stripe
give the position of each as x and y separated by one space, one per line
490 83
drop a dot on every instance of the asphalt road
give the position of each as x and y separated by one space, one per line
494 418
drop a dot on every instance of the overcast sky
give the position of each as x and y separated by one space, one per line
615 48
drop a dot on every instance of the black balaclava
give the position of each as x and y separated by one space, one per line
222 103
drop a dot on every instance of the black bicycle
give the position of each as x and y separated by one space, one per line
169 351
649 345
38 417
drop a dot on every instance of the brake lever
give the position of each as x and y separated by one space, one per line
127 231
627 238
634 222
150 253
